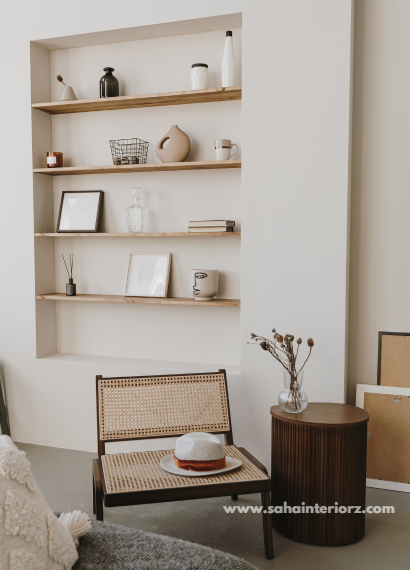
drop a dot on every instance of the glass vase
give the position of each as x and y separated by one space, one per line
293 399
136 214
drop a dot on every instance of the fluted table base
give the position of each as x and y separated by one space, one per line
319 460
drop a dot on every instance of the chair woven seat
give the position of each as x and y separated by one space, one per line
133 472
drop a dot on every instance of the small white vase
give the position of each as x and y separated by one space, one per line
68 94
203 284
229 63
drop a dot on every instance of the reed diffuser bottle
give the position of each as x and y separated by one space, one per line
109 84
71 287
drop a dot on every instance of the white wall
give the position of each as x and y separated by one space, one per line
380 180
295 149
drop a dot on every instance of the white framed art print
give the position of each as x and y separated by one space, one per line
148 275
388 397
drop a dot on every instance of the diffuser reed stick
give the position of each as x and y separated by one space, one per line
71 288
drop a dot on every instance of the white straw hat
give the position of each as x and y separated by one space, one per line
199 446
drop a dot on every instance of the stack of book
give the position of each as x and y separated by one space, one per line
211 226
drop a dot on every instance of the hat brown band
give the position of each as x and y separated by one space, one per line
191 465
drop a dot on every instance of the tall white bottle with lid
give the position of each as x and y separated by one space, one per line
229 63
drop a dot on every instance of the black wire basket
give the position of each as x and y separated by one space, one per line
129 151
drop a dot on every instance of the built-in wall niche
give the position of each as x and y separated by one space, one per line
100 327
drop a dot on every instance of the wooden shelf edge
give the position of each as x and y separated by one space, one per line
177 365
155 167
138 101
141 235
140 300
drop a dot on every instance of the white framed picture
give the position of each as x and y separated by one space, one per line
80 212
147 275
398 395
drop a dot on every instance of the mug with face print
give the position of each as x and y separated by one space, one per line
203 284
223 149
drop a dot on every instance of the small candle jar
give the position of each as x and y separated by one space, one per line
199 76
54 159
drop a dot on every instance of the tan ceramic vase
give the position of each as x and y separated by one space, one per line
177 149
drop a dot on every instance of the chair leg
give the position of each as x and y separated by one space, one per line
93 495
98 491
234 497
267 525
99 514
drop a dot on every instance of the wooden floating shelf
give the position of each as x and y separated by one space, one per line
135 101
142 235
156 167
141 300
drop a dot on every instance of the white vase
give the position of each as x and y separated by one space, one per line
229 63
203 284
68 94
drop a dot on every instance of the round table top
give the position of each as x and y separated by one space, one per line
323 414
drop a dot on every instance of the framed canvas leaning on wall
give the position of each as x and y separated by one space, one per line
388 406
393 366
148 275
388 455
80 212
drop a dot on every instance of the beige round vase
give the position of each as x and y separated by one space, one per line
178 147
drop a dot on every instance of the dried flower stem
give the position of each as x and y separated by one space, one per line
306 359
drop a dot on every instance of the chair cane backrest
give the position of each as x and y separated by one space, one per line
161 406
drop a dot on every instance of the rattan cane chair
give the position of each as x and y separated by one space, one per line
147 407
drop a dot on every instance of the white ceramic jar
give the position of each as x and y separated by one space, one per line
203 284
199 76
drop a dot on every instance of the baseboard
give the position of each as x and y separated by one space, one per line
388 485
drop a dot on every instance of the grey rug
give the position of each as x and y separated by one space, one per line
112 547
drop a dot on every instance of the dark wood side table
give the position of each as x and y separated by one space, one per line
319 458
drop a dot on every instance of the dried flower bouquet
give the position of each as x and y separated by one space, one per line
281 348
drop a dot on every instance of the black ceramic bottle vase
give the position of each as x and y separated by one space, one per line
109 84
71 288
